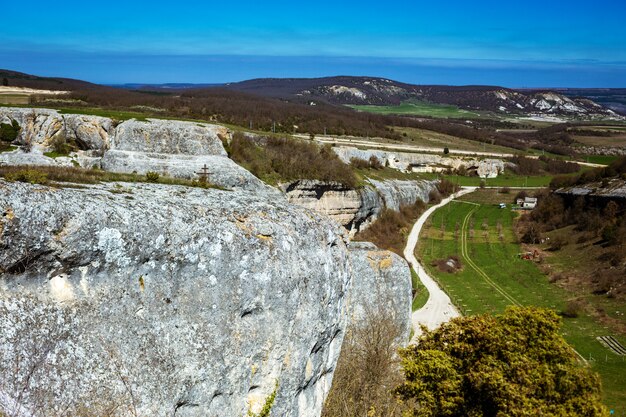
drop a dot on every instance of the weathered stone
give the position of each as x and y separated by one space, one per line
166 300
381 286
170 137
174 148
355 209
89 132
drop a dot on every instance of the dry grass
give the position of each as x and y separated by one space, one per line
56 174
367 371
391 229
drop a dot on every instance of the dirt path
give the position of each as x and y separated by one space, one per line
438 309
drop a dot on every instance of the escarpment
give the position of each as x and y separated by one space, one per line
166 300
173 148
356 208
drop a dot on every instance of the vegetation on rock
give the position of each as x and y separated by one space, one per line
9 132
367 371
513 364
275 160
58 174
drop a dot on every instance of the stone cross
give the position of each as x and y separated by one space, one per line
204 173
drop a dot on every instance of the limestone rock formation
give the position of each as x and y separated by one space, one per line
166 301
175 148
424 162
355 209
381 286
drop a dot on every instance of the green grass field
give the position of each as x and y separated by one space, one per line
419 108
599 159
506 180
421 293
493 277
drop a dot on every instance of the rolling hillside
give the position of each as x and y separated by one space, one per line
383 92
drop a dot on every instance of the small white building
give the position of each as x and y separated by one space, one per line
527 203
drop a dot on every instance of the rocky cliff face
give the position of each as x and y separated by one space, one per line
355 209
165 300
381 287
155 300
174 148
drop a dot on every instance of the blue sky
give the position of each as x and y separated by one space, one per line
517 44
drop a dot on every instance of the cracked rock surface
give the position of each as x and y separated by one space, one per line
166 301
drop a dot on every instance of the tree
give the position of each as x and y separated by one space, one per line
5 82
513 364
9 132
446 150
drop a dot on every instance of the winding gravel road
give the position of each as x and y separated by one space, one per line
438 309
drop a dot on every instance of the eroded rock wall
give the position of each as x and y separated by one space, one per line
166 301
381 289
174 148
356 208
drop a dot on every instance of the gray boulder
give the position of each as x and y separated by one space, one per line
166 301
381 287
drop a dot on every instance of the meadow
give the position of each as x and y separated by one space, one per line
493 277
419 108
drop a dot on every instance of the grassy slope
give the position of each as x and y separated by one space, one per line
506 180
513 279
428 138
419 108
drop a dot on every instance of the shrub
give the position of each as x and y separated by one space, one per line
375 163
391 228
367 368
152 176
359 163
434 197
573 309
513 364
60 146
531 235
504 190
275 159
31 176
446 187
483 183
526 166
9 132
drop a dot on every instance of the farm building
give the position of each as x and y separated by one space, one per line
527 202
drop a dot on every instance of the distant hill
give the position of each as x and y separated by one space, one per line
381 91
164 87
613 98
19 79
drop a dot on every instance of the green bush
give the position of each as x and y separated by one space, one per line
60 146
9 132
512 364
152 176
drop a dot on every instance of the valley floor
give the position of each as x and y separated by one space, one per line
493 276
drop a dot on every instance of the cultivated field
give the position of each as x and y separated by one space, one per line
493 276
